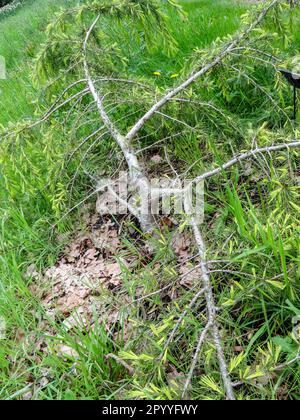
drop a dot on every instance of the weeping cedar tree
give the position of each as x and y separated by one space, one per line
91 63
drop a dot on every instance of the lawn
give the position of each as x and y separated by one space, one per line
21 34
256 222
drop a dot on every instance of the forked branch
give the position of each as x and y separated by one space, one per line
141 182
138 178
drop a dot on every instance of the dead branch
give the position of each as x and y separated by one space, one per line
120 362
211 106
141 182
287 364
247 155
200 343
258 51
176 120
268 63
213 63
181 319
137 175
183 276
211 310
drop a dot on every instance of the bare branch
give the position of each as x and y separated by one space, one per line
237 159
137 175
215 61
209 105
181 319
141 182
247 155
176 120
121 362
287 364
201 339
268 63
258 51
160 141
170 284
211 309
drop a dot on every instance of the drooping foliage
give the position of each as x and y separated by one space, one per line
252 213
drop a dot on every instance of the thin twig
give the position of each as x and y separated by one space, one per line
137 175
201 339
168 285
287 364
181 319
121 362
247 155
211 307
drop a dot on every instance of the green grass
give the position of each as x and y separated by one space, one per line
21 34
252 217
206 21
